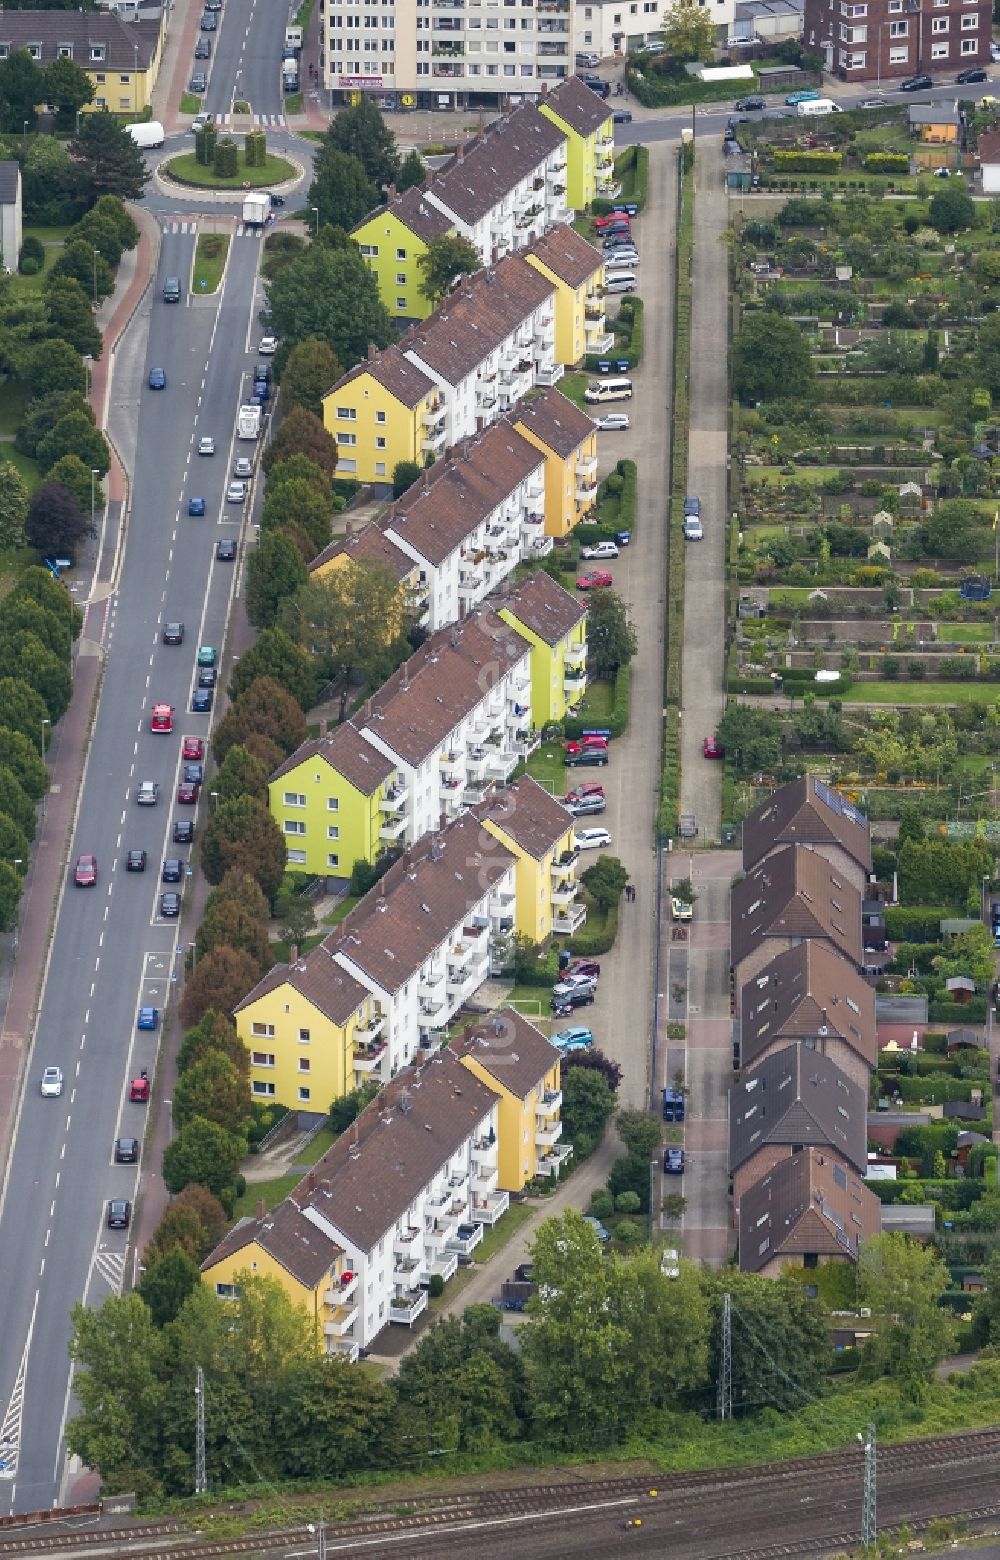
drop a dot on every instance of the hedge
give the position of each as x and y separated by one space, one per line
631 315
574 725
934 1090
586 944
916 923
958 1014
807 162
887 162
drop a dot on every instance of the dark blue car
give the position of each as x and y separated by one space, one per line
157 379
201 701
196 506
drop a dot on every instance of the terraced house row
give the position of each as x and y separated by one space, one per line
405 1194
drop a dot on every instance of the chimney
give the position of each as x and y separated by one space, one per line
323 726
261 1211
293 955
390 194
372 351
349 531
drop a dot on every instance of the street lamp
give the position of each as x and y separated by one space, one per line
96 252
315 212
45 722
24 136
88 363
194 956
94 473
213 797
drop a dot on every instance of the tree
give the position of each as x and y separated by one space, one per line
67 87
204 1152
330 294
298 506
242 836
465 1384
212 1090
340 190
412 171
903 1281
10 896
264 708
38 585
751 739
951 532
101 235
21 757
110 209
605 881
689 32
295 916
445 259
15 803
404 474
262 747
22 708
193 1223
220 980
951 208
55 365
611 636
27 658
21 87
213 1033
349 1106
75 434
13 505
771 360
81 262
236 916
301 435
166 1284
329 1418
595 1060
43 413
312 369
780 1345
241 774
640 1132
106 160
586 1109
72 474
277 656
55 523
361 132
348 619
45 171
275 572
71 316
117 1353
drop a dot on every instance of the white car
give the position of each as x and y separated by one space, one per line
600 550
199 122
995 51
52 1082
622 259
591 839
613 422
236 492
267 346
206 446
693 529
243 466
680 910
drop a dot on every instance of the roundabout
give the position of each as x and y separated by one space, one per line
185 170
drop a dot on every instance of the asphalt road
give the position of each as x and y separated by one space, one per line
112 952
246 58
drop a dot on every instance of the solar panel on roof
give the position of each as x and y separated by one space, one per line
837 804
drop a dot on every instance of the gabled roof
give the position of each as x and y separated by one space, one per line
806 812
582 110
330 989
10 179
296 1244
418 903
83 32
811 1204
528 815
403 380
484 309
795 893
414 211
370 545
799 1099
541 604
989 147
566 253
510 1049
554 420
485 170
347 752
807 993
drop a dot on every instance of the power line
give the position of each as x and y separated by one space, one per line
200 1475
725 1385
868 1512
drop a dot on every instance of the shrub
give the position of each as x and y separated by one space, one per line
29 266
887 162
626 1202
436 1286
602 1204
807 162
915 923
587 943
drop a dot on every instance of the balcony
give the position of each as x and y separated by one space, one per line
432 1009
408 1306
586 466
430 984
395 798
550 1163
436 437
465 1239
393 829
548 1102
406 1270
561 864
563 895
575 653
570 919
367 1058
452 73
548 374
444 1265
500 765
540 547
452 764
609 189
594 308
547 1136
340 1292
344 1349
476 764
553 50
339 1325
490 1208
527 739
434 412
405 1242
368 1031
600 341
586 492
574 684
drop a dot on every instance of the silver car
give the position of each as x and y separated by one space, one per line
147 793
52 1082
236 493
243 466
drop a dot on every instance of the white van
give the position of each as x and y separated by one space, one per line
608 390
817 106
620 282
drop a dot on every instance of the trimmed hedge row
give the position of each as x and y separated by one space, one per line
630 315
887 162
586 944
574 726
957 1014
606 530
807 162
915 923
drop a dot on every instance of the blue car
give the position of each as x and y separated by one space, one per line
196 506
807 95
157 379
576 1038
673 1161
201 701
149 1018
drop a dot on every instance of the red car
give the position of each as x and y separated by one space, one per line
138 1090
194 748
615 218
588 788
584 967
586 742
711 748
85 871
162 718
594 580
187 792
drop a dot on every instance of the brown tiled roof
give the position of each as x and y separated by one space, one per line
294 1242
371 1175
479 176
441 683
84 31
346 751
555 420
472 321
510 1049
369 545
419 902
795 893
526 812
989 146
797 1098
407 383
449 500
803 994
811 1204
806 812
330 989
566 253
577 106
416 213
542 605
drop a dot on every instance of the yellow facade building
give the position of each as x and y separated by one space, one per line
327 800
515 1060
393 240
555 624
538 831
121 58
576 270
567 438
589 128
384 411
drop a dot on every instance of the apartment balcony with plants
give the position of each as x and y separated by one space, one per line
407 1306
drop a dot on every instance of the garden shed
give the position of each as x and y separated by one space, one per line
963 1039
961 989
936 124
989 161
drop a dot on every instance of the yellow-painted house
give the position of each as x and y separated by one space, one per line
538 831
576 270
567 438
371 548
392 240
382 412
515 1060
121 58
327 801
590 135
555 624
300 1025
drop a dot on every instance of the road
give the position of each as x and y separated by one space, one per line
112 952
246 60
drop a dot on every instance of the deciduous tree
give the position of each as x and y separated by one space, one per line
21 87
903 1281
55 523
329 1418
362 132
21 757
221 980
340 190
10 896
588 1103
266 709
204 1152
213 1090
301 434
117 1353
241 774
444 260
72 474
68 87
213 1032
277 656
751 739
13 505
412 171
55 365
311 371
349 619
165 1285
296 505
689 32
75 434
22 708
330 294
242 836
771 360
72 317
605 881
275 572
611 635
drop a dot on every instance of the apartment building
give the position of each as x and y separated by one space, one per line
789 898
810 1209
393 1203
489 343
516 1062
883 39
812 996
586 120
555 625
809 812
445 54
576 271
393 239
121 58
567 438
538 831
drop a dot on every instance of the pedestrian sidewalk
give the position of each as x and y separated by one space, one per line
171 80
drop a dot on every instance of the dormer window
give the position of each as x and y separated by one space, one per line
97 52
35 50
65 51
4 51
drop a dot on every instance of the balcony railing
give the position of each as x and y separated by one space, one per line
465 1239
586 492
404 1242
430 983
369 1029
395 798
549 373
563 895
445 1265
367 1057
435 437
575 653
490 1208
406 1270
393 829
547 1136
408 1306
336 1327
337 1294
548 1102
541 547
549 1163
574 684
600 341
569 920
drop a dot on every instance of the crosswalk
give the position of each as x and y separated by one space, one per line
189 225
261 121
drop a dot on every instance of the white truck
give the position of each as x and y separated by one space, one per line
148 134
256 209
248 422
290 75
293 38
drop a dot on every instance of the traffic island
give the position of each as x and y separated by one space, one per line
186 169
209 263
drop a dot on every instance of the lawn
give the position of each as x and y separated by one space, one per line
965 633
209 262
293 103
597 702
13 562
324 1139
269 1192
532 1001
25 465
495 1239
915 693
190 104
186 169
341 908
573 386
547 766
53 239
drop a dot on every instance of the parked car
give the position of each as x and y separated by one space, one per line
597 579
588 60
804 95
576 1038
172 870
587 756
588 967
195 773
749 105
600 550
974 73
591 740
201 701
267 345
225 550
692 504
203 49
196 506
183 831
138 1089
613 422
712 748
587 806
585 788
592 839
562 1006
198 82
673 1161
207 676
915 84
673 1104
187 793
119 1213
170 906
126 1151
597 1227
206 655
693 530
194 748
622 116
149 1018
680 910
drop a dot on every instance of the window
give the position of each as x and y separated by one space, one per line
96 50
267 1090
294 826
333 860
898 56
939 24
400 278
65 51
380 468
304 1064
333 831
295 799
262 1031
370 252
124 80
939 51
228 1291
262 1058
379 439
970 45
124 102
898 29
400 254
35 50
4 50
347 438
380 417
347 413
970 23
297 858
305 1095
856 61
